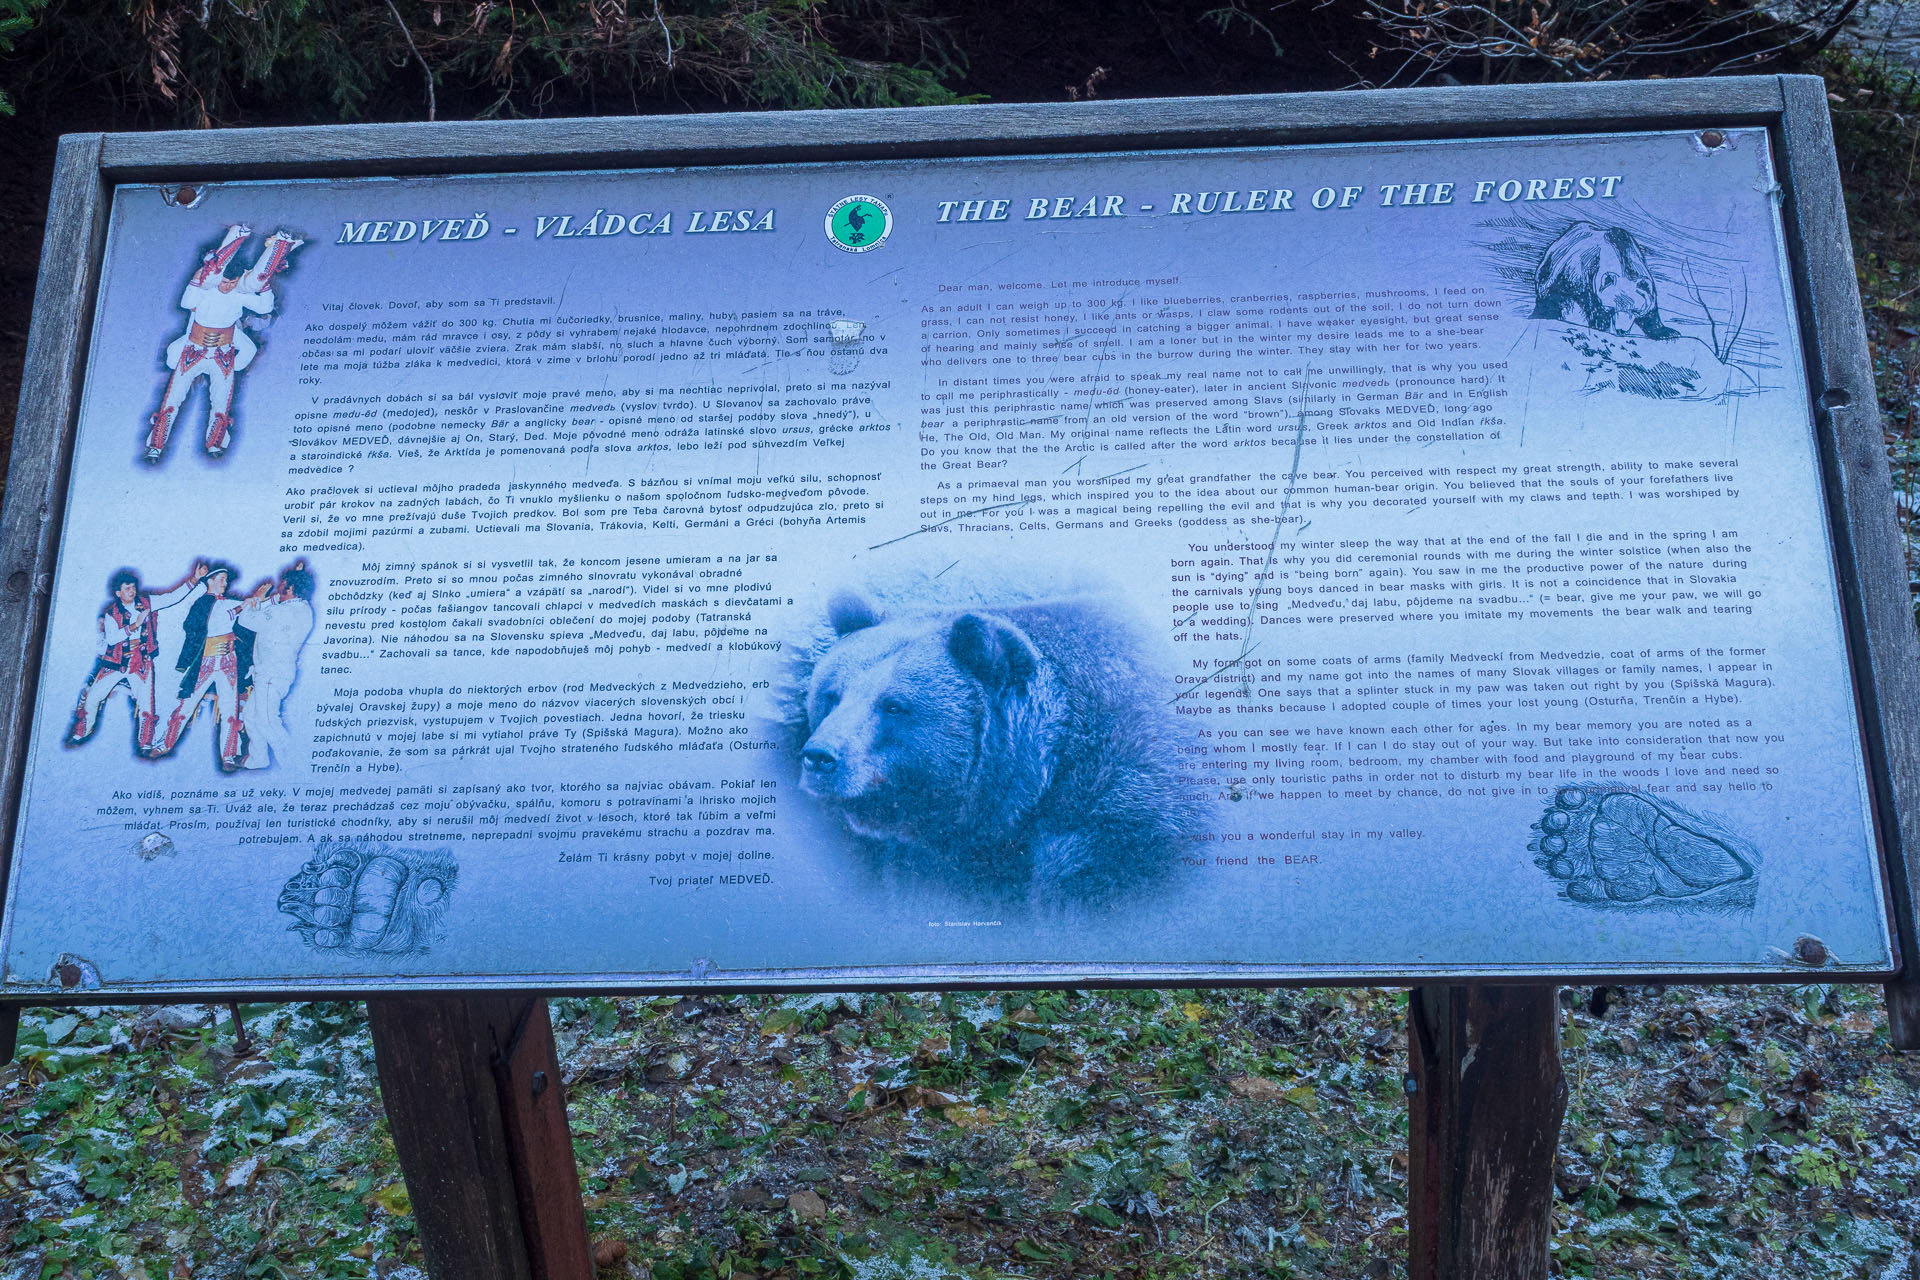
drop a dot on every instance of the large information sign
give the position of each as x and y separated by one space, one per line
1291 562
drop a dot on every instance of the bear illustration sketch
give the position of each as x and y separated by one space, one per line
1599 277
1027 749
1598 327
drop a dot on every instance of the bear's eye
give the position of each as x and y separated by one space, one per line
893 707
1609 280
828 699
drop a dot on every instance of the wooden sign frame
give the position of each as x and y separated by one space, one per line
1881 637
470 1081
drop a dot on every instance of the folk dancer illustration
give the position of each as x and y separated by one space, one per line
215 347
129 642
208 663
279 625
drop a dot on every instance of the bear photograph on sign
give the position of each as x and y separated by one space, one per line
1007 745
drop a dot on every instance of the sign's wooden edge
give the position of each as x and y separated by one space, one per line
36 493
1885 657
928 978
884 133
1867 548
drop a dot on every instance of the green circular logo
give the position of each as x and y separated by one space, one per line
859 223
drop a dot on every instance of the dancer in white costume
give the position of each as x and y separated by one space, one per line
279 626
214 346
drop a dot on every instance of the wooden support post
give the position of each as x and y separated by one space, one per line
1488 1099
546 1181
472 1090
9 1032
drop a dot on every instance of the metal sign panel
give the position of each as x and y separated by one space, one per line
1328 562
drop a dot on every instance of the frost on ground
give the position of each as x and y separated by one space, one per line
1755 1132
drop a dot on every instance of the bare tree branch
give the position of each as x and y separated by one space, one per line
1589 39
432 106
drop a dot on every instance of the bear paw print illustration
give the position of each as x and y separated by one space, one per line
369 900
1614 846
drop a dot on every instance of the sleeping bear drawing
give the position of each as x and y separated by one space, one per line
1598 277
1027 750
1598 327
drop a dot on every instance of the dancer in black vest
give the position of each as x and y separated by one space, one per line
208 664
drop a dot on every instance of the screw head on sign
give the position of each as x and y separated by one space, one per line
1810 950
1711 138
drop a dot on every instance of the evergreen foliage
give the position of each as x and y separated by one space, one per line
206 63
201 63
16 18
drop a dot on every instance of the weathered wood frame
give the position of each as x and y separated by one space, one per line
1885 655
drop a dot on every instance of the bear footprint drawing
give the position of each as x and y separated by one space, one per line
369 899
1613 846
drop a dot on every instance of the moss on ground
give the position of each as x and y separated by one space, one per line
1726 1133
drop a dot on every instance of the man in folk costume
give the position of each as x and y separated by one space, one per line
129 642
209 664
279 626
214 346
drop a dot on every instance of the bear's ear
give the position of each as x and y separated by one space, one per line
993 651
849 611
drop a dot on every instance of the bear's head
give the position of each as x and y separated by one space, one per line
908 723
1599 277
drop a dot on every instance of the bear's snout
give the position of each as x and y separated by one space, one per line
1627 301
829 769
